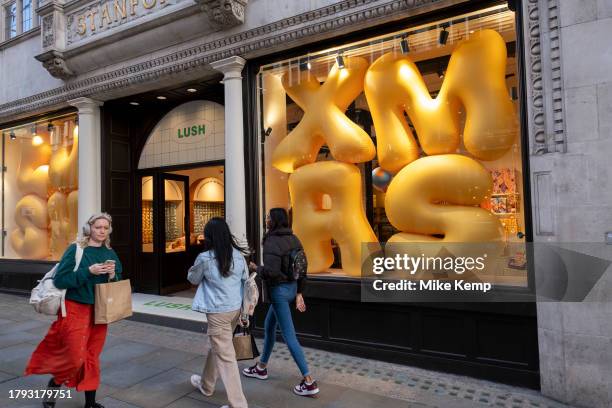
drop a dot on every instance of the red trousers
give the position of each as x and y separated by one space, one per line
70 351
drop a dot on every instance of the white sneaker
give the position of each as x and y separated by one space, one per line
196 381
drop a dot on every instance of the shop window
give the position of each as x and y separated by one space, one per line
40 188
411 136
10 13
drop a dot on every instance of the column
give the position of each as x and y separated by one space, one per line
235 197
19 16
90 200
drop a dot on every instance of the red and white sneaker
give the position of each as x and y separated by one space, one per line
256 372
306 390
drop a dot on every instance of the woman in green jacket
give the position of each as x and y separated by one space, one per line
70 351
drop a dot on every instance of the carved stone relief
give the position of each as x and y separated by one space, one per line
54 62
48 33
224 13
545 77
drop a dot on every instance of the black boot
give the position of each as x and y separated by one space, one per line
49 401
90 400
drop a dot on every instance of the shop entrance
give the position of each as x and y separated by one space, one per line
174 207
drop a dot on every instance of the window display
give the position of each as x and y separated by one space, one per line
40 188
411 136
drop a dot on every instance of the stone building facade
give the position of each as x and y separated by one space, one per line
78 56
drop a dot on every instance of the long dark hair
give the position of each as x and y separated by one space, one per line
219 239
278 219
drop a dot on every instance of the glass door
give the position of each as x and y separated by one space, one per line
174 222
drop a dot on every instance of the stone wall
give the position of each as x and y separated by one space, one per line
576 338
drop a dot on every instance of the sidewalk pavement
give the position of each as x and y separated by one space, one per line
149 366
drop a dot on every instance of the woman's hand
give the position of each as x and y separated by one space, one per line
300 305
100 269
252 267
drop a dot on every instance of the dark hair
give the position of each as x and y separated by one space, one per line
219 239
278 219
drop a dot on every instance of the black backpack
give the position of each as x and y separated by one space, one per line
294 264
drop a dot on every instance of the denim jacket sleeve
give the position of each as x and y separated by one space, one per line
196 272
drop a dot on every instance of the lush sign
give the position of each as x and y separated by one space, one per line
195 130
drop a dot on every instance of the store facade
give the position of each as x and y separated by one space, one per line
310 99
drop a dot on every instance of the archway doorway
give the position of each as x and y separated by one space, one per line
180 186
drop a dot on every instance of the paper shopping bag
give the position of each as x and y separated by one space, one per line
244 344
113 301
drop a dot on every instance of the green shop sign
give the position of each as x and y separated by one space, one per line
169 305
195 130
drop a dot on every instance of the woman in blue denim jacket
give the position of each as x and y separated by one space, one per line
281 291
220 273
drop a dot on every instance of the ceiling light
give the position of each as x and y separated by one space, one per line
305 65
340 61
192 90
12 135
161 98
49 127
134 103
37 140
440 74
404 45
443 35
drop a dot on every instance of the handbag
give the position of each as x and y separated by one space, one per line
244 344
113 301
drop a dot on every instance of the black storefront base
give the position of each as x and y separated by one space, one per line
493 341
20 276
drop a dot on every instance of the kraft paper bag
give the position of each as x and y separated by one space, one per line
244 344
113 301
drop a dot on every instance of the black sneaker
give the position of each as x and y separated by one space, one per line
306 390
256 372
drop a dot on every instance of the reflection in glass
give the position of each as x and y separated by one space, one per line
147 214
174 209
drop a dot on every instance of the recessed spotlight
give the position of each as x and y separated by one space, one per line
134 103
192 90
404 45
161 98
443 37
340 60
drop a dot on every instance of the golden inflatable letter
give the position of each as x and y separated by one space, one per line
63 221
316 223
324 121
63 167
33 169
30 239
439 195
73 215
475 79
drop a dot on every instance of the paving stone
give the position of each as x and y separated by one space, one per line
187 402
110 402
128 374
21 326
123 352
158 391
13 338
6 376
13 359
166 358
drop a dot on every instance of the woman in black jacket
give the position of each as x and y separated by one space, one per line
281 291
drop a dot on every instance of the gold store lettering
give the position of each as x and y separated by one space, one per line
101 15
